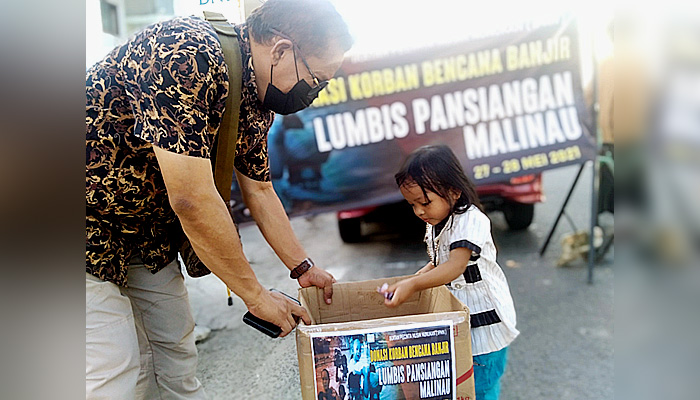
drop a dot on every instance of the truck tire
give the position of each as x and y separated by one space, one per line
518 215
350 230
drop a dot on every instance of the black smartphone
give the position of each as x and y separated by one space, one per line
286 295
266 327
263 326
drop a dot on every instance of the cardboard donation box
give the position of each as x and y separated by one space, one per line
357 348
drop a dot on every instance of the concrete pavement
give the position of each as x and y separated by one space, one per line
564 351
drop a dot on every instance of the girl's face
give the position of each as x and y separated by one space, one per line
431 209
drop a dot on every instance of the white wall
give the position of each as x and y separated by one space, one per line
231 9
99 43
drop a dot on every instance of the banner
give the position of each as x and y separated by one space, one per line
414 361
507 105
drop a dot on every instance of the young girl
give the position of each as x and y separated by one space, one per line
462 256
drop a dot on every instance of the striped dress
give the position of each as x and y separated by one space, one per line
482 287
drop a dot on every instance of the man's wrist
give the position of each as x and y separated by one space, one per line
301 268
252 296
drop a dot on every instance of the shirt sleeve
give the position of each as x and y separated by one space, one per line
253 162
472 230
174 85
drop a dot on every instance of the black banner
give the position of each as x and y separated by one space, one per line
507 105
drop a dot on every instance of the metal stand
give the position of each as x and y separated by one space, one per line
594 219
593 256
562 210
595 171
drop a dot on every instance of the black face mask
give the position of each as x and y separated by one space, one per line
287 103
298 98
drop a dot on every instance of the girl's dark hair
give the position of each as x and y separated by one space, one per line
312 24
437 169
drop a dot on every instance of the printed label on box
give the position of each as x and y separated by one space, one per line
415 361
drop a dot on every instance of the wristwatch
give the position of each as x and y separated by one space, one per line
301 268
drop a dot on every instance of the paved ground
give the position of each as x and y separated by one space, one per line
565 350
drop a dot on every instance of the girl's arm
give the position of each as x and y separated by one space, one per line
440 275
426 268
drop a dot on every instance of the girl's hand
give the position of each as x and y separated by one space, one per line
401 290
426 268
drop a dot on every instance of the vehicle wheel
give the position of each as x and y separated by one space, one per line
518 215
350 230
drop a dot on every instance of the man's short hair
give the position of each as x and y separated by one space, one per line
312 24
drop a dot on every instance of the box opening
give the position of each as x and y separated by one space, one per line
357 301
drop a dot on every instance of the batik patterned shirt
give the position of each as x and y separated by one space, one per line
165 87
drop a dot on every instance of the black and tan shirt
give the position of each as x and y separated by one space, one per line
165 87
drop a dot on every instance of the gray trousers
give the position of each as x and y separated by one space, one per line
140 340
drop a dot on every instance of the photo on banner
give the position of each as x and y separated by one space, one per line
413 361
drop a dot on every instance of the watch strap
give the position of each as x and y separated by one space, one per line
301 268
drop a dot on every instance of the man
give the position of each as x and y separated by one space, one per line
328 393
153 109
341 366
358 371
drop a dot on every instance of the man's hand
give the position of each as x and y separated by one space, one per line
320 278
279 310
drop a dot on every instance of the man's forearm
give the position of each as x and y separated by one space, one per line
208 225
267 210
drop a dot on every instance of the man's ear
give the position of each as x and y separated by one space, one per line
282 48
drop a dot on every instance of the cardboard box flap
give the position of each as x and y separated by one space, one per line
457 317
356 301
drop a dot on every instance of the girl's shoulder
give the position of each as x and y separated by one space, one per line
469 212
471 225
470 216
